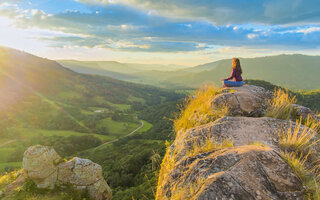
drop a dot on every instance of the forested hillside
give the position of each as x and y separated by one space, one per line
43 102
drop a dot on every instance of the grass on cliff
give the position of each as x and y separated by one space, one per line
299 138
197 109
280 106
208 144
298 165
188 191
296 143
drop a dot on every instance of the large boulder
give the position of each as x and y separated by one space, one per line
251 169
84 174
46 168
80 172
246 172
239 130
248 100
40 163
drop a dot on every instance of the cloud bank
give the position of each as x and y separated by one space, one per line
172 25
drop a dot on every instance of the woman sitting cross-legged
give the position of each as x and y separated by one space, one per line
236 72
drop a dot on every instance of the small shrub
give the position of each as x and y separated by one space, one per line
7 178
280 106
198 110
297 138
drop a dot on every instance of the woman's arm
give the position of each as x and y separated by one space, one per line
233 74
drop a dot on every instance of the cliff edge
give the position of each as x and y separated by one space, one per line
236 143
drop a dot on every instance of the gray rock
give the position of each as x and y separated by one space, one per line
46 168
40 163
248 100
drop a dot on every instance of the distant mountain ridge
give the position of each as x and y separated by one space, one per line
294 71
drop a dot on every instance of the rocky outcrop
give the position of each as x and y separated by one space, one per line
246 172
46 168
40 162
240 130
304 112
252 169
83 173
248 100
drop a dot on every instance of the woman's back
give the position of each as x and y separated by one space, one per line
237 75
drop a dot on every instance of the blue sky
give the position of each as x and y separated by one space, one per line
186 32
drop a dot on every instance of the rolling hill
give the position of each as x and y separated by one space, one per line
298 72
43 102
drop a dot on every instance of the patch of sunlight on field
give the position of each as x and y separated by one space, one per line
117 129
137 99
121 107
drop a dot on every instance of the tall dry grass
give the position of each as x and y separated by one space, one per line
312 123
197 109
298 165
297 142
188 191
280 106
206 145
298 138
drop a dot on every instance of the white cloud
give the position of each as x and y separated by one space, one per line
309 30
252 36
226 12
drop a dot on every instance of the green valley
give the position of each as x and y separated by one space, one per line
45 103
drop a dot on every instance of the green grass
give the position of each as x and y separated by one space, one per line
136 99
5 153
30 133
16 165
145 127
121 107
117 129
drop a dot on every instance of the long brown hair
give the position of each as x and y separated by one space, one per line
236 64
